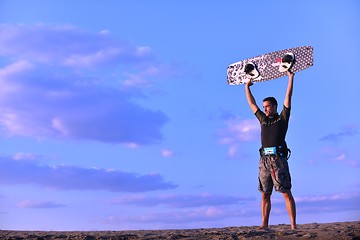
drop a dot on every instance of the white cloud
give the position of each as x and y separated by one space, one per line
336 154
143 51
337 137
39 204
136 80
59 125
25 156
166 153
14 68
55 85
184 216
131 145
88 60
238 131
341 157
331 203
211 208
142 79
203 216
182 200
77 178
67 45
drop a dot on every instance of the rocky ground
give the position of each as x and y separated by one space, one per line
324 231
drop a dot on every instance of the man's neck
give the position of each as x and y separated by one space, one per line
273 115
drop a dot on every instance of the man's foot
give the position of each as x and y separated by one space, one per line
293 226
263 227
287 62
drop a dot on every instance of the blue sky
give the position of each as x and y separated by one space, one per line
117 115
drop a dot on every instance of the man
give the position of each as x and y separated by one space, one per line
273 165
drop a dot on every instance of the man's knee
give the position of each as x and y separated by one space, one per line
288 195
266 196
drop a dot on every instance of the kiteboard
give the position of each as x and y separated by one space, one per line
271 65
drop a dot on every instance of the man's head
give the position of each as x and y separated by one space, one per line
270 106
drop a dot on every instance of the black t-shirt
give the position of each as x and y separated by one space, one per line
273 129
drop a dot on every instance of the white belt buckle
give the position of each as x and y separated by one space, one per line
270 150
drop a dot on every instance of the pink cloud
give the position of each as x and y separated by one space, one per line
62 93
236 132
69 46
182 200
39 204
166 153
22 171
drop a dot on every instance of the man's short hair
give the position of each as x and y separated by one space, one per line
272 100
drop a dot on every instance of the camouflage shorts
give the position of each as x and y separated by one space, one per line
274 172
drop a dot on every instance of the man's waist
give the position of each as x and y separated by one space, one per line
274 150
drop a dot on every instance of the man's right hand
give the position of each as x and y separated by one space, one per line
249 83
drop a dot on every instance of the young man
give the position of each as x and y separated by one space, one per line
273 165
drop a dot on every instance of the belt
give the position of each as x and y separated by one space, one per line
272 151
269 151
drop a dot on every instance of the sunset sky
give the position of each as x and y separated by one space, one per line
116 115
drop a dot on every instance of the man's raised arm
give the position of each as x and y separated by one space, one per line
289 90
250 98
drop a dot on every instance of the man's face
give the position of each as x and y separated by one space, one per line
269 109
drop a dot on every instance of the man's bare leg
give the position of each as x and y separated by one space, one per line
265 210
291 208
